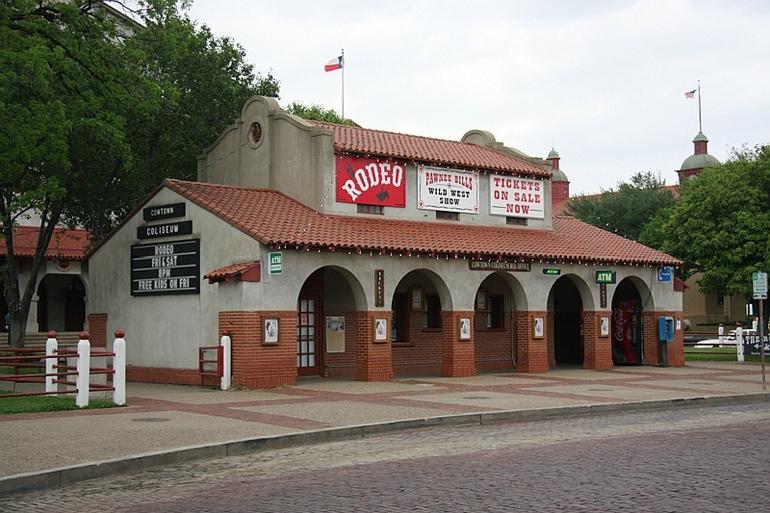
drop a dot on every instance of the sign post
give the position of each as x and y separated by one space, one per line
759 287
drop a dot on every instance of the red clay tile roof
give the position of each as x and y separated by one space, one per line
275 219
229 271
426 149
65 244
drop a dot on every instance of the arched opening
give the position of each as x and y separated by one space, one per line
627 327
418 302
61 303
566 307
494 324
327 307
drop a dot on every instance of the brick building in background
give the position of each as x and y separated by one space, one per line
349 252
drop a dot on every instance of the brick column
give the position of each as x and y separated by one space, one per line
650 352
254 363
597 350
374 360
532 353
551 339
675 348
97 328
458 357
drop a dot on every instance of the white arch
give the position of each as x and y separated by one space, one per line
359 295
437 281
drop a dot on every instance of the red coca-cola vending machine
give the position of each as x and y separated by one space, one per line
626 333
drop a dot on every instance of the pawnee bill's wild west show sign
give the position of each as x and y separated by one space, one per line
516 197
368 181
451 190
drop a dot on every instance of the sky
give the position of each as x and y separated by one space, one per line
601 81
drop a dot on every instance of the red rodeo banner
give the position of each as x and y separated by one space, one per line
370 181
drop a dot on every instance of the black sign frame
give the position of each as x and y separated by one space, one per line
169 211
192 254
177 228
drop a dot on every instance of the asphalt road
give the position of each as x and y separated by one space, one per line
689 460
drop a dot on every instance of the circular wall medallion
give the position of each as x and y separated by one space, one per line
255 134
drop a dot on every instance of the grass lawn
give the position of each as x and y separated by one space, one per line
40 403
714 354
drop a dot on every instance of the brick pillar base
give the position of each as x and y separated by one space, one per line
254 363
675 348
458 357
97 328
374 361
551 338
597 350
531 353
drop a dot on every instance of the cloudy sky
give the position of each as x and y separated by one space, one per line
602 81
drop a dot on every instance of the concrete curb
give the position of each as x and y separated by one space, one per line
57 478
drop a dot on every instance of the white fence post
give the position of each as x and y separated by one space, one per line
119 366
51 349
226 344
84 370
739 343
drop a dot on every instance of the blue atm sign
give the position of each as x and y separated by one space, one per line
665 273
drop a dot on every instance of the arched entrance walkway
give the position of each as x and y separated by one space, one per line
419 301
565 306
627 325
61 303
494 322
327 308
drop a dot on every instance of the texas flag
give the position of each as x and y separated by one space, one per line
690 94
333 64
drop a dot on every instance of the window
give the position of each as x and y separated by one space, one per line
400 322
520 221
432 312
496 312
451 216
369 209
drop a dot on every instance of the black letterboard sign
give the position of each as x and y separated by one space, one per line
166 268
163 211
155 231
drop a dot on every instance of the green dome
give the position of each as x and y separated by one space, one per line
700 137
553 154
559 176
700 161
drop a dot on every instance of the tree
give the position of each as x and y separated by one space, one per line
319 113
59 68
721 224
626 209
95 111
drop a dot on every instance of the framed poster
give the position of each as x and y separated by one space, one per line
271 331
538 330
604 326
465 328
335 334
450 190
380 330
417 300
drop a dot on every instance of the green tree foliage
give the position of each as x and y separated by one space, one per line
626 209
721 224
318 113
96 109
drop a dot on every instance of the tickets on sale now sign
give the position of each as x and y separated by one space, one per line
512 196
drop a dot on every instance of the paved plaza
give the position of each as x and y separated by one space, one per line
168 417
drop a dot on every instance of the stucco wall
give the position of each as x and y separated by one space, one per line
165 330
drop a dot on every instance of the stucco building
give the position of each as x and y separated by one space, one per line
349 252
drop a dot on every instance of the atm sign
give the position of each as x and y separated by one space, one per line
605 277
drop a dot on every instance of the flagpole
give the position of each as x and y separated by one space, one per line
700 120
343 84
